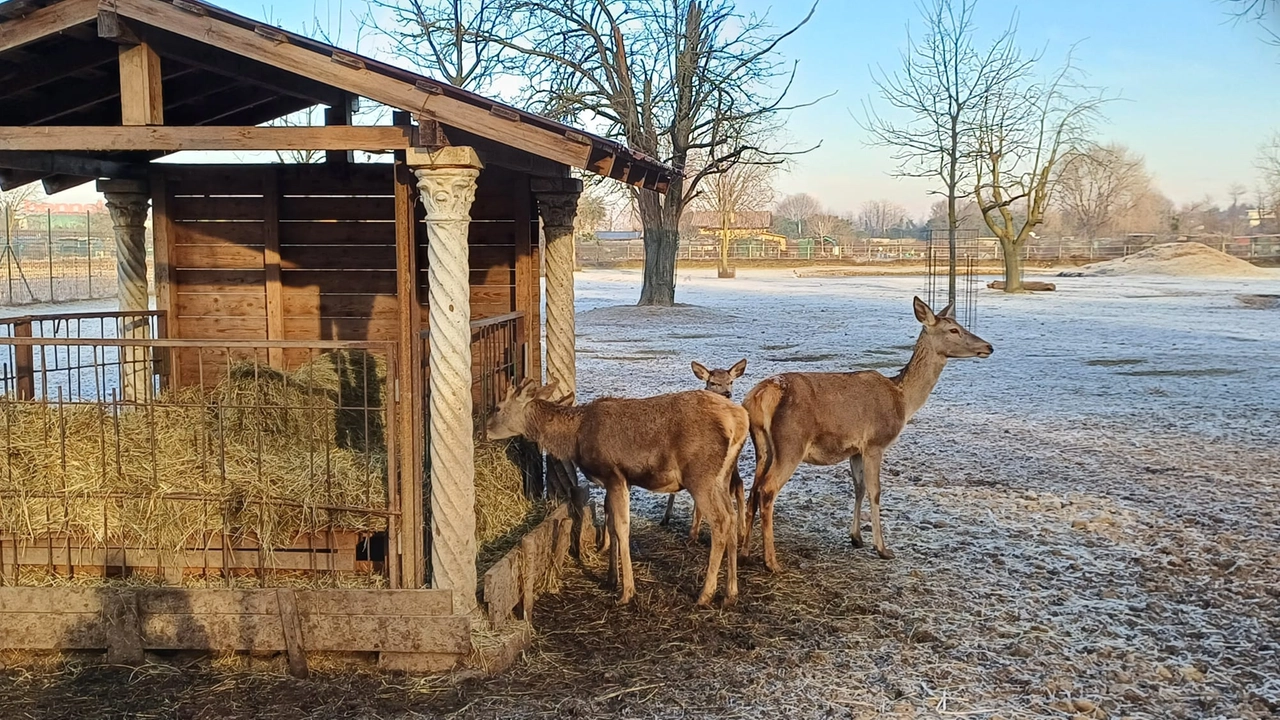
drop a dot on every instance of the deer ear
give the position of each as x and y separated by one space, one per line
738 368
699 370
923 313
527 388
548 391
949 311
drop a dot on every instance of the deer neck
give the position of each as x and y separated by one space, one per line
920 375
555 428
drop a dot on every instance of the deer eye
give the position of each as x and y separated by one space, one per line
955 331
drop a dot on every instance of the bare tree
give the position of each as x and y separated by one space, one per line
744 186
798 211
1024 133
941 88
1269 166
1264 12
1101 188
681 80
447 38
876 217
13 205
827 224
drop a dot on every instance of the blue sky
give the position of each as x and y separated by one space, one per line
1199 92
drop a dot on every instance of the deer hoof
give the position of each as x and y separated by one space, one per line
729 601
856 541
774 566
704 601
626 598
885 553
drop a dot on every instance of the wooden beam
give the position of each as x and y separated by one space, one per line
175 138
15 33
492 152
61 163
141 94
370 84
412 522
338 115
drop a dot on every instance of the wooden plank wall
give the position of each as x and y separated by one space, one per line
332 228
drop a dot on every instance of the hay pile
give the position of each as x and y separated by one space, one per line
264 453
503 512
1178 259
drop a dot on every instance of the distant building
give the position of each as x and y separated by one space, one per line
60 216
618 235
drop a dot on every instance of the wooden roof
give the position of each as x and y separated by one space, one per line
59 68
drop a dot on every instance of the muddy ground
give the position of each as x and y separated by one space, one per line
1086 525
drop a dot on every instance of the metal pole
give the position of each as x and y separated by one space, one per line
49 243
88 240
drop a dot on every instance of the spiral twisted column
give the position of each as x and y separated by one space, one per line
447 186
558 206
129 202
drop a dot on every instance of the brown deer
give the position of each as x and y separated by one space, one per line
824 418
719 382
683 441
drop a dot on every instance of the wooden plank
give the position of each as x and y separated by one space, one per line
355 179
337 208
215 365
502 590
337 233
225 328
219 257
107 138
341 328
339 257
366 83
141 93
292 630
407 603
69 164
271 259
249 207
52 630
343 281
418 663
123 628
240 234
309 302
361 633
230 632
73 600
16 32
219 281
413 524
206 601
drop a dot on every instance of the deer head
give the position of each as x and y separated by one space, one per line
511 418
720 382
946 337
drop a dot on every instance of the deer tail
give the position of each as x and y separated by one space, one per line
760 404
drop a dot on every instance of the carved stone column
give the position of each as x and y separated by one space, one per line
128 201
558 206
447 185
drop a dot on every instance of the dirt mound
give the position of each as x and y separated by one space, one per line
1178 259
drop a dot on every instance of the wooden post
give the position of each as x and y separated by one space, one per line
447 186
128 202
271 263
339 115
412 393
141 94
24 362
558 206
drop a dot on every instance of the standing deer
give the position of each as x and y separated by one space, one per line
824 418
683 441
719 382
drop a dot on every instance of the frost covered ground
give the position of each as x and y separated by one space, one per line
1087 524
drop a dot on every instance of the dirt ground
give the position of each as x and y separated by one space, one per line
1086 524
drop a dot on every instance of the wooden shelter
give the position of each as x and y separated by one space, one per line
430 260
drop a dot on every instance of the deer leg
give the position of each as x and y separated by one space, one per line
715 502
859 491
740 503
766 529
696 524
618 498
871 472
671 503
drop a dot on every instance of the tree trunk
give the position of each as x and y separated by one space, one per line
661 243
951 247
1012 266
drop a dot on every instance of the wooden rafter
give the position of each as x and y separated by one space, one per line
173 138
85 58
16 32
70 164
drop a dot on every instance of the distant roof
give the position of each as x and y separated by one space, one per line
619 235
743 220
58 66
